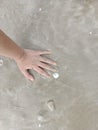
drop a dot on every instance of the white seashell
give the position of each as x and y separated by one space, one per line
51 105
40 9
39 125
40 118
90 33
1 62
43 116
56 75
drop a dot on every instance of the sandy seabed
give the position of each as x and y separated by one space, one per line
70 29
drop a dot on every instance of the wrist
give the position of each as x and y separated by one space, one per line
20 55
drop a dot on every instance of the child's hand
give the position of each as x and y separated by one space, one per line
32 59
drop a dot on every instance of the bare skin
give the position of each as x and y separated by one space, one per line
26 59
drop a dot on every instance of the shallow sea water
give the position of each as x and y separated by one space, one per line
69 28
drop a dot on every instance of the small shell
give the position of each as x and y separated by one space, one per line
40 9
90 33
39 125
1 62
51 105
40 118
56 75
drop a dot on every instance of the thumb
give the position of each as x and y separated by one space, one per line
28 75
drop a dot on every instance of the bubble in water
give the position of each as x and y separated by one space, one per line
56 75
51 105
1 62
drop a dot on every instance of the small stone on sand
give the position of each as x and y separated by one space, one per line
51 105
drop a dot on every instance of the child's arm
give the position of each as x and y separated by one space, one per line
26 59
9 48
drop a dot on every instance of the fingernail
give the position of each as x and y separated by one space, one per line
32 79
55 63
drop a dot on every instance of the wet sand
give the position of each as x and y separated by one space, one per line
70 29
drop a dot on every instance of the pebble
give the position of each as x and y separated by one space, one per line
56 75
1 62
51 105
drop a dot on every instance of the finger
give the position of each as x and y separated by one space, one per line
45 66
46 60
44 52
28 75
41 71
